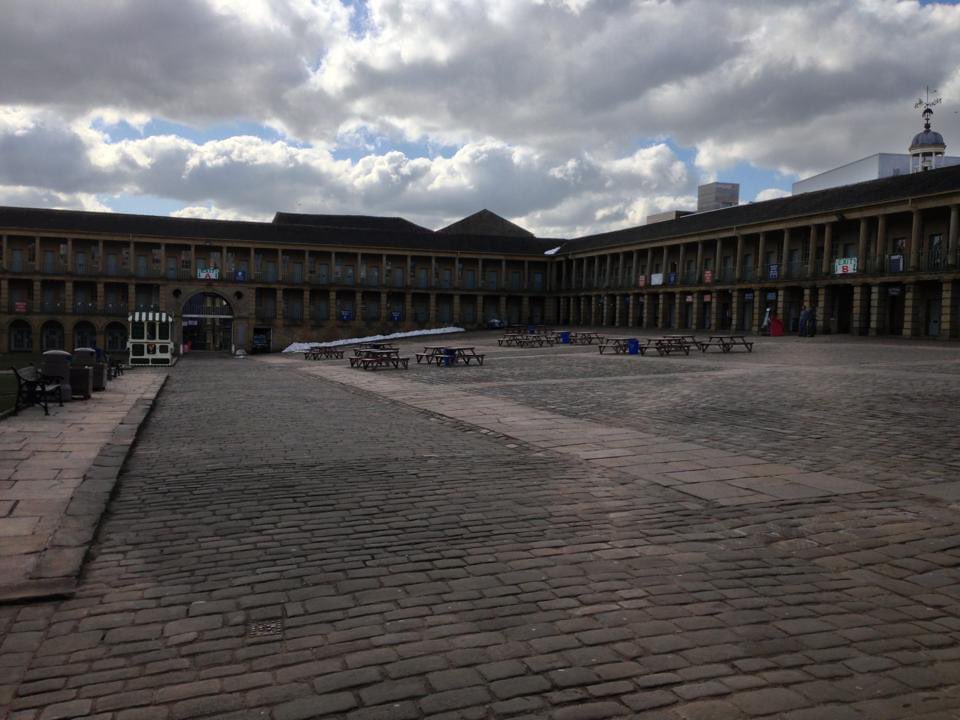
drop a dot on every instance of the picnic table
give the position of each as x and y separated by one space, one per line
374 359
726 343
619 345
585 338
451 355
668 344
317 352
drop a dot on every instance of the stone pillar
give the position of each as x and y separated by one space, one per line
649 265
665 268
525 309
697 310
812 260
635 270
617 314
306 306
662 311
281 306
738 270
735 309
784 251
952 233
862 245
4 298
563 274
782 305
881 249
383 305
456 309
131 297
827 266
699 262
562 303
806 297
874 310
648 310
503 302
681 279
946 310
821 314
596 270
358 307
856 323
67 296
715 311
632 310
480 309
909 296
757 312
432 309
408 307
593 310
583 318
916 238
679 308
761 261
526 275
717 259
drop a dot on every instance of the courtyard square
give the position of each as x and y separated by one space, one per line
554 534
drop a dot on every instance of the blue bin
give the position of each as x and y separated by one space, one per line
633 346
531 330
565 338
449 356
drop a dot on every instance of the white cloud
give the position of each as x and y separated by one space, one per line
544 101
771 194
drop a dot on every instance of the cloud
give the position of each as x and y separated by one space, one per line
544 102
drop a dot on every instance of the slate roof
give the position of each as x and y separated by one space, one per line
356 222
19 220
817 202
486 223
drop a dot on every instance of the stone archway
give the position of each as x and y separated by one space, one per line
207 321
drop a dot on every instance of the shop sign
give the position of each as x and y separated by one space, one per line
642 281
708 297
19 307
346 315
656 279
708 276
690 298
895 263
894 290
395 315
773 271
845 266
748 296
208 273
772 295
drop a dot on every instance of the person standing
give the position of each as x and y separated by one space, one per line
804 320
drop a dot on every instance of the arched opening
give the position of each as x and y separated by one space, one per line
51 336
116 337
84 335
20 336
207 323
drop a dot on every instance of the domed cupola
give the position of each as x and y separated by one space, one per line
927 147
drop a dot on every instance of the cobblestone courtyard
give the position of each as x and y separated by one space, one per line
556 534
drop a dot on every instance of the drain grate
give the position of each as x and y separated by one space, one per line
269 628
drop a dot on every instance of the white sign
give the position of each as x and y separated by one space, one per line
845 266
208 273
656 279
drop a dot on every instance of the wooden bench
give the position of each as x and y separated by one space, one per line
726 343
33 388
668 345
384 361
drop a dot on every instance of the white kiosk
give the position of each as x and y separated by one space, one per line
151 338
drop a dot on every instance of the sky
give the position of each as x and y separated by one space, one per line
568 117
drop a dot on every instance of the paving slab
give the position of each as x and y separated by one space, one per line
52 504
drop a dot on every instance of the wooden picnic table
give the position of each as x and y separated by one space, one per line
585 338
726 343
457 354
673 343
619 345
374 358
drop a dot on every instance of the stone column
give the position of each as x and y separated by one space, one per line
856 323
632 310
480 309
617 314
596 270
662 311
874 310
916 238
70 255
862 245
761 260
826 267
635 269
697 310
679 308
782 305
909 295
812 260
784 251
717 259
383 305
306 306
649 265
408 307
952 233
681 279
526 275
648 310
4 298
735 309
358 314
101 298
699 261
821 314
525 309
131 297
503 303
738 269
456 309
946 310
806 296
715 311
757 312
881 252
432 309
67 296
563 274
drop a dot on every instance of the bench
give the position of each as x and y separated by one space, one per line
385 361
34 389
726 343
667 345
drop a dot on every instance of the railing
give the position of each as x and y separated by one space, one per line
114 309
81 306
55 306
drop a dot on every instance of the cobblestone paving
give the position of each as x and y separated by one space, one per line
285 547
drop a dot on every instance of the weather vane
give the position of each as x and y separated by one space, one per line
928 103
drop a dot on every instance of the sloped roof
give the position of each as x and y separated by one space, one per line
14 220
816 202
486 223
358 222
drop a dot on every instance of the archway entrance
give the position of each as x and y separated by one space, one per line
207 323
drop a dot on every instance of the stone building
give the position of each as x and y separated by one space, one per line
873 258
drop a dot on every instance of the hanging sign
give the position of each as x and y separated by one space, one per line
208 273
845 266
642 281
748 296
773 272
656 279
708 297
708 276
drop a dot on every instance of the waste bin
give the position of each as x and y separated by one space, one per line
633 346
56 364
449 356
88 356
565 337
531 330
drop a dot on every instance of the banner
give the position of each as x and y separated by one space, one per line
845 266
